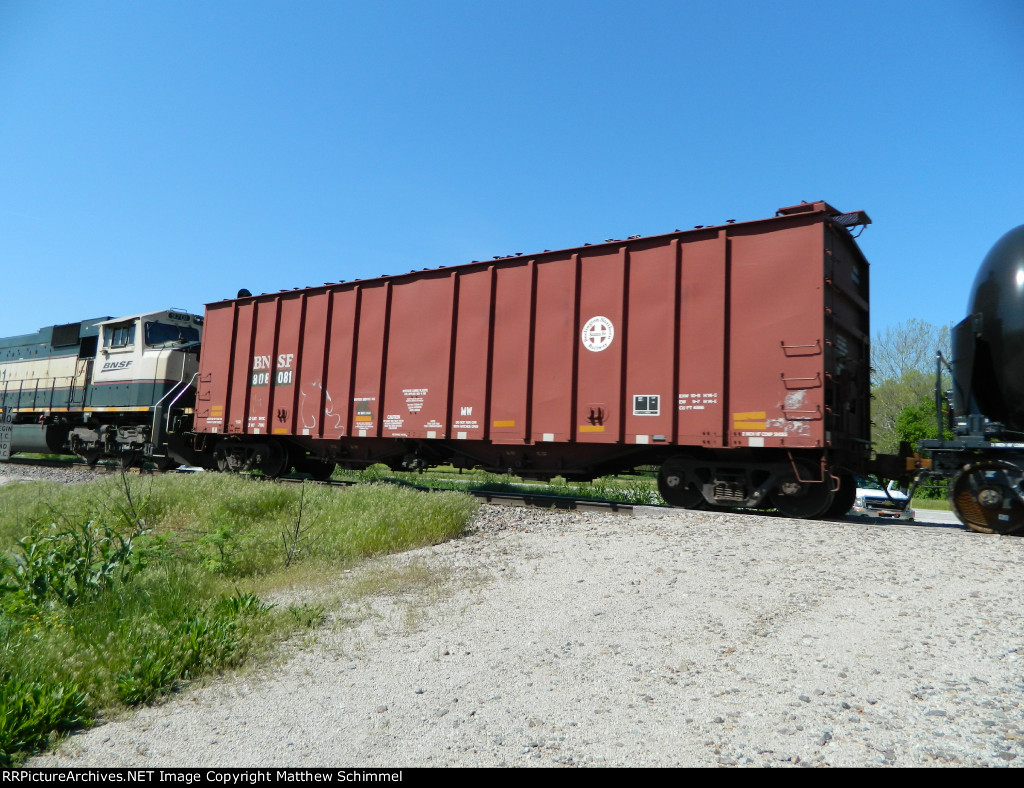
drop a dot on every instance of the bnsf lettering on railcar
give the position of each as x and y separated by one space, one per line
284 375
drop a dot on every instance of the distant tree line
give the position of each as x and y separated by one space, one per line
903 383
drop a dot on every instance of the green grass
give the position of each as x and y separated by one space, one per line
939 504
634 489
116 592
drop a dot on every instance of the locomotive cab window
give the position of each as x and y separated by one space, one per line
119 336
170 334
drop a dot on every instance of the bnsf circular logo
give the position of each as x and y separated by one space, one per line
597 334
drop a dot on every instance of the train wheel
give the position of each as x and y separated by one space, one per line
90 458
126 460
987 497
843 497
803 500
674 491
276 462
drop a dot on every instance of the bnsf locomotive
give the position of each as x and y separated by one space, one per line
734 357
115 388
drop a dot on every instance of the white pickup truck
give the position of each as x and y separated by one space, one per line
873 501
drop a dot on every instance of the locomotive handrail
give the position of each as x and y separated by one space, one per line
181 381
170 391
185 388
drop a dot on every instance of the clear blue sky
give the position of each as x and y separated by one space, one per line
158 153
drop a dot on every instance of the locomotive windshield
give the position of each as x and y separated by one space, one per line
167 333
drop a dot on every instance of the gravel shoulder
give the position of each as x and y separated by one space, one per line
663 639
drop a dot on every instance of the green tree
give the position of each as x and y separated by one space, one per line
917 422
903 375
889 399
907 347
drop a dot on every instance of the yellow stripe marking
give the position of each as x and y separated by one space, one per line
750 425
750 416
504 424
591 428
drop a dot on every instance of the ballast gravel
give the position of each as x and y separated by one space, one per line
666 638
68 475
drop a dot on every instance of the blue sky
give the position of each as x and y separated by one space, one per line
157 154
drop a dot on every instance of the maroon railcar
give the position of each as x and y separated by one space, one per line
735 357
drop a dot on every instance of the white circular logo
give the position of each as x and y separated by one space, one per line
597 334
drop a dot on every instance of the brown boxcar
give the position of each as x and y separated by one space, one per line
735 357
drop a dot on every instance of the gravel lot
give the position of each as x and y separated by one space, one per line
662 639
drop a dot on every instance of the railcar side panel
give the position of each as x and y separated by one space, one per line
419 345
214 397
700 395
649 345
470 359
603 284
241 370
554 345
776 353
311 365
285 362
335 414
259 415
372 343
509 368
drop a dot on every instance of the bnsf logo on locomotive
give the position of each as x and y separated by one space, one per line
111 365
284 375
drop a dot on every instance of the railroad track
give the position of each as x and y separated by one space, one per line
535 500
926 519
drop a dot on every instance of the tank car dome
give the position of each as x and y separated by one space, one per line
998 297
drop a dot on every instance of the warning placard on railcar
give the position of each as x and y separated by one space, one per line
6 429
